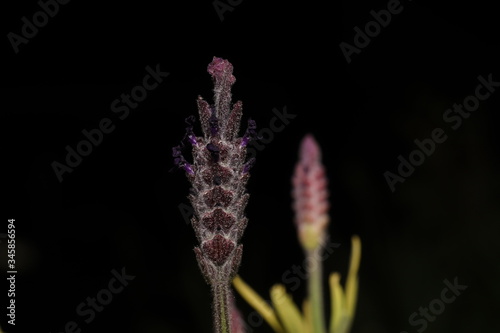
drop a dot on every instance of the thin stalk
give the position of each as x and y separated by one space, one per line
315 289
222 317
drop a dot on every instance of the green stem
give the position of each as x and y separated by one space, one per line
222 317
315 289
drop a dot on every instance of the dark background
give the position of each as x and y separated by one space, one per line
119 207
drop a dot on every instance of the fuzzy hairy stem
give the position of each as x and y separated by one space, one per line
222 316
315 291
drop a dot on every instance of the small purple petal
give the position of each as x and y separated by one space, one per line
189 136
250 133
244 141
188 169
180 161
248 165
214 151
192 139
176 151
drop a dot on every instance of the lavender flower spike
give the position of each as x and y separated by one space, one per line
218 175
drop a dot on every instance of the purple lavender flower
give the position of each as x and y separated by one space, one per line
218 174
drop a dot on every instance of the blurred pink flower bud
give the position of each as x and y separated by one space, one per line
310 194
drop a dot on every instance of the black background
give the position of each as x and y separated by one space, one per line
119 207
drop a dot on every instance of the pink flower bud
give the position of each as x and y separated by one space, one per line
310 194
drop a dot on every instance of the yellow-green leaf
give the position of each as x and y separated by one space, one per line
338 303
258 303
351 285
289 314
